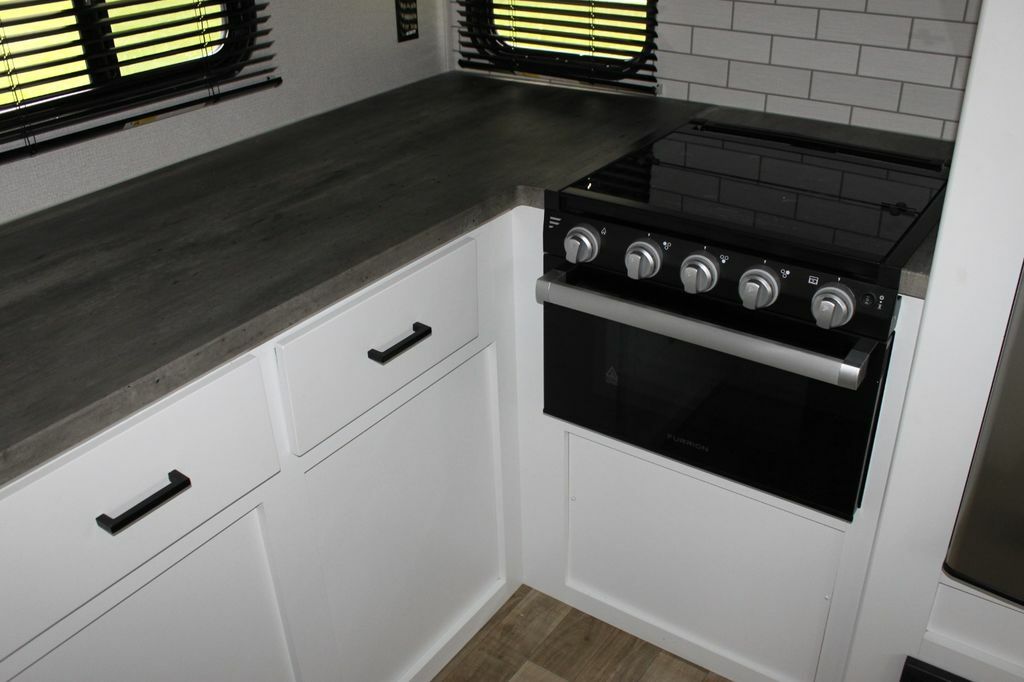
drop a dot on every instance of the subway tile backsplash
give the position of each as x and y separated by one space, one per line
897 65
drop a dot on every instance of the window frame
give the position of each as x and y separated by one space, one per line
110 92
489 44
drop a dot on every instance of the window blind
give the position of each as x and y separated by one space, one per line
72 69
594 41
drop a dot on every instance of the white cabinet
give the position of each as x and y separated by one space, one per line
56 557
212 616
408 521
749 580
375 562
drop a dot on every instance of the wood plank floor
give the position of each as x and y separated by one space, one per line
536 638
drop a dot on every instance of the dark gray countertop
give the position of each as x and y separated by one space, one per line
113 300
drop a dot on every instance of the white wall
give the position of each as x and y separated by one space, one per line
897 65
330 53
973 282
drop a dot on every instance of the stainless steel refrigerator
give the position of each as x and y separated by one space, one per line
987 548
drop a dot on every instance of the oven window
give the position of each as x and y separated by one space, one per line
798 438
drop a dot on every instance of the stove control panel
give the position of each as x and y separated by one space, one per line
758 283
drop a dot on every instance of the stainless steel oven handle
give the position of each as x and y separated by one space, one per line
845 372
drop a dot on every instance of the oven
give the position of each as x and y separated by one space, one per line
726 297
787 409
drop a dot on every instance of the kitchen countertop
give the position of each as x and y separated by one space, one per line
113 300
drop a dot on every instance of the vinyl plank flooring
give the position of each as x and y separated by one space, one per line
536 638
531 672
464 662
669 668
500 649
571 645
478 665
623 658
525 626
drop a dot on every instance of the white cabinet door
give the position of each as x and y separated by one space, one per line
409 527
745 579
213 616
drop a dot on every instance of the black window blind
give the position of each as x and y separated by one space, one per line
594 41
73 69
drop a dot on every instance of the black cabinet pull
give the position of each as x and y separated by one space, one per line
420 331
179 483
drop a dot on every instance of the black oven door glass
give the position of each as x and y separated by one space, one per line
798 438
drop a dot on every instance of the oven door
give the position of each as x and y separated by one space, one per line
786 408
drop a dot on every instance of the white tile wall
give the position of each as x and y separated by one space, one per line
936 9
948 37
808 108
777 20
869 92
713 13
778 80
694 69
853 5
731 44
816 54
901 123
898 65
864 29
726 97
912 67
928 101
963 65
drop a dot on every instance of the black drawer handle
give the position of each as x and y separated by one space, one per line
420 331
179 483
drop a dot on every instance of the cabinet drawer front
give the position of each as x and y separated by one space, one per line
328 375
56 556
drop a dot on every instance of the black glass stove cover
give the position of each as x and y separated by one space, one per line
723 183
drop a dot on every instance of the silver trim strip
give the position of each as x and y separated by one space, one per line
845 372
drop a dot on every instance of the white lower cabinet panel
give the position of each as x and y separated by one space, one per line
409 528
976 632
724 571
213 616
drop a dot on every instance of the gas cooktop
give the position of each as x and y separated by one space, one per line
858 211
799 228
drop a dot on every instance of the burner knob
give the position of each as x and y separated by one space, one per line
833 305
643 259
582 244
699 273
759 288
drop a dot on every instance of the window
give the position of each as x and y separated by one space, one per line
598 41
77 68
